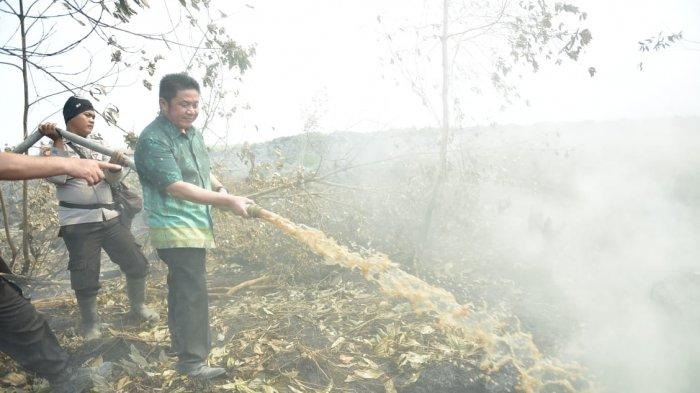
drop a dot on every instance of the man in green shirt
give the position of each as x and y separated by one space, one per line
178 188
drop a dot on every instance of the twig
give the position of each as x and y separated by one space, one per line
316 178
331 184
246 284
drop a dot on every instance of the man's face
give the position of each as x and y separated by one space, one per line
82 124
182 110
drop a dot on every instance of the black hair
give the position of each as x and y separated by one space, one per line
172 83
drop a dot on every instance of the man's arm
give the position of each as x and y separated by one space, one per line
196 194
21 167
62 178
156 165
216 185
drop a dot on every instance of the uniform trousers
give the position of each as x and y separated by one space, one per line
85 243
25 335
188 305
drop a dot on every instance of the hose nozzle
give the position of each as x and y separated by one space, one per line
254 211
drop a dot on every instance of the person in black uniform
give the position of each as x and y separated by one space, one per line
24 333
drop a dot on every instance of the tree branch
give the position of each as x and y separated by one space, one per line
318 179
10 64
498 17
246 284
153 37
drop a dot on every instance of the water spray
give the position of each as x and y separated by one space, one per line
502 347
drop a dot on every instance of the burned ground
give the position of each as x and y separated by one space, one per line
322 329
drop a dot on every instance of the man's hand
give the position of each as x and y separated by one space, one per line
190 192
90 170
118 158
49 130
239 204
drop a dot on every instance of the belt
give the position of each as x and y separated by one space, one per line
89 206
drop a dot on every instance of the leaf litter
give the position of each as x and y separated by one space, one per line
391 332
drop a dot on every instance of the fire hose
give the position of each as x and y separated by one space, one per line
253 211
77 139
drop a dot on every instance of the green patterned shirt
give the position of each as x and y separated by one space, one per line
163 156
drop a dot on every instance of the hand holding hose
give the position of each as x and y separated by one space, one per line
239 204
118 158
49 130
90 170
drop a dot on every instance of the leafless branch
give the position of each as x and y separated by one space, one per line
108 74
10 64
316 178
153 37
496 21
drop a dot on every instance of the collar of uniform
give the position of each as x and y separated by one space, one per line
172 128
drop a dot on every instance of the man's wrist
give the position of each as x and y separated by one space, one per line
64 163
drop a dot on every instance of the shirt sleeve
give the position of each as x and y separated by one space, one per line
156 164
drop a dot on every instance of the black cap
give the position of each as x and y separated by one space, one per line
75 106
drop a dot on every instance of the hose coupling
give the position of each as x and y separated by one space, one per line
254 211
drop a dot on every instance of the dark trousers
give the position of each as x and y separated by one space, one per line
188 305
85 243
26 337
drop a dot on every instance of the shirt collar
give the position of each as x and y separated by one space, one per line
172 128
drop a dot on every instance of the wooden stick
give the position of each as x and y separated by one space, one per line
246 284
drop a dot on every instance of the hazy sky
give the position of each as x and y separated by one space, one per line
329 58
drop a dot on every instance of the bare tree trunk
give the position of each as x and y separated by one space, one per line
25 194
441 173
6 223
445 93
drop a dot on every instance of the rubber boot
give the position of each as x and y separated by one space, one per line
201 371
136 290
90 318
